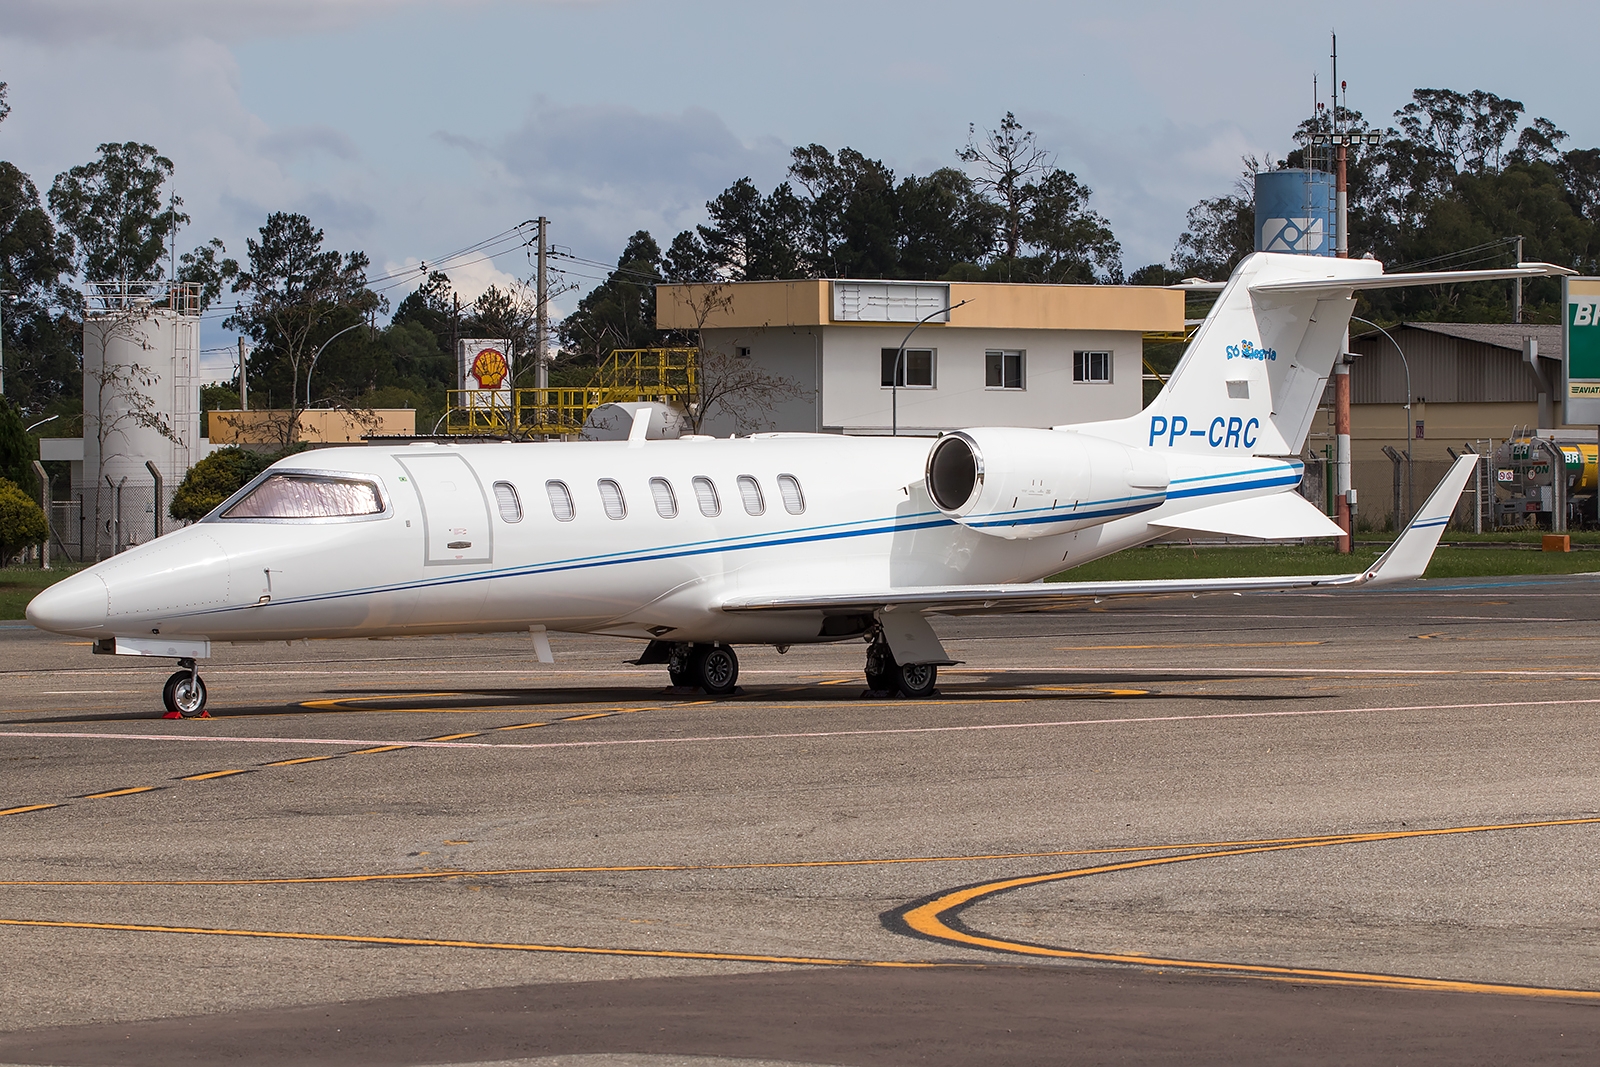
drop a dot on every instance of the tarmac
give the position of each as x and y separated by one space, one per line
1350 827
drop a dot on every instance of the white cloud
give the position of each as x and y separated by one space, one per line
155 21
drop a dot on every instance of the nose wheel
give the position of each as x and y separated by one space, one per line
185 693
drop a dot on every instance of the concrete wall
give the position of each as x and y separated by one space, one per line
787 352
319 426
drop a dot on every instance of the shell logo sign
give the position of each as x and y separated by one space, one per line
483 366
490 368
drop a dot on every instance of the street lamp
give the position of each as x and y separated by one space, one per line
318 352
899 361
1411 426
41 422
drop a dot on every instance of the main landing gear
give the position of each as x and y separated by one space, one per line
714 668
884 675
185 693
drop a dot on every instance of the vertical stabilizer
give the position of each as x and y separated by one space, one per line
1253 374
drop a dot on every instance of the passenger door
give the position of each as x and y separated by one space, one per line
455 511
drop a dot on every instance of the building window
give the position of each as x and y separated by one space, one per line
1003 368
706 494
505 494
743 352
794 501
666 502
611 499
915 367
750 490
560 500
1091 366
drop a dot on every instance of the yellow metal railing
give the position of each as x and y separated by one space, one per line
664 375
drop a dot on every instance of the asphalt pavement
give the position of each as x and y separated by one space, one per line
1309 828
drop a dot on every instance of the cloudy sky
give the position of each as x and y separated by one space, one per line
412 128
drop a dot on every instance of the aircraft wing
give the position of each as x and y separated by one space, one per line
1405 560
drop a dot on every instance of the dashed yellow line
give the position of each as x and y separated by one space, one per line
208 775
502 946
453 737
1207 644
118 792
299 759
27 808
370 751
522 726
591 715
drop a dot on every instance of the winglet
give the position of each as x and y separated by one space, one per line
1408 557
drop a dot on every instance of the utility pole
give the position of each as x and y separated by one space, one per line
541 319
1341 188
1516 294
1341 371
244 380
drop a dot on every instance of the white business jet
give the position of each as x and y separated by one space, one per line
697 545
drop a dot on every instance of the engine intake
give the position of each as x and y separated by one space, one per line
1015 482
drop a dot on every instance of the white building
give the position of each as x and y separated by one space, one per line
1012 354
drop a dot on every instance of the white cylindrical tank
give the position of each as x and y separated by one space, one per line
141 403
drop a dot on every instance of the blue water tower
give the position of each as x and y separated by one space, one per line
1295 212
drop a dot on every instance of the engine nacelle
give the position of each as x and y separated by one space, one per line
1016 482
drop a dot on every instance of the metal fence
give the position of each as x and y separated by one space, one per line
93 525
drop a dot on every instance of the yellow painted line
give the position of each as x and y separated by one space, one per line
334 702
118 792
27 808
292 762
522 726
503 946
452 737
1213 644
458 872
591 715
380 748
208 776
929 919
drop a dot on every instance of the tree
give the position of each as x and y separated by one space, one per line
1219 231
851 227
296 297
17 450
5 108
1068 242
620 312
725 385
22 521
115 210
214 479
203 268
1008 158
945 223
38 345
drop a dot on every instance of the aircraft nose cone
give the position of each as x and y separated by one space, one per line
75 605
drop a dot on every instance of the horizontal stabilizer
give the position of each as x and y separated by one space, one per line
1280 517
1333 284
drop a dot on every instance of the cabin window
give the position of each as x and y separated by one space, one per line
505 494
706 494
915 368
611 499
666 502
1003 368
1091 366
750 492
560 500
307 496
794 501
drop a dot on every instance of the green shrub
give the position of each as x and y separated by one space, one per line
22 522
214 479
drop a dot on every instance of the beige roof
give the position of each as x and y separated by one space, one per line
1006 305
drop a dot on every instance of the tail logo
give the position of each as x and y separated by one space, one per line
1246 350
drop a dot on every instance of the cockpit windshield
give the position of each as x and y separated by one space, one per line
305 496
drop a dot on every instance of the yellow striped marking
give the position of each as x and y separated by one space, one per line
301 759
380 748
503 946
522 726
452 737
591 715
1210 644
208 776
27 808
118 792
929 919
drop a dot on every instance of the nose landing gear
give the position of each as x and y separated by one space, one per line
884 675
185 693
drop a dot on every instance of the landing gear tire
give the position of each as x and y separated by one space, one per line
680 667
916 680
881 669
715 668
184 695
884 675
